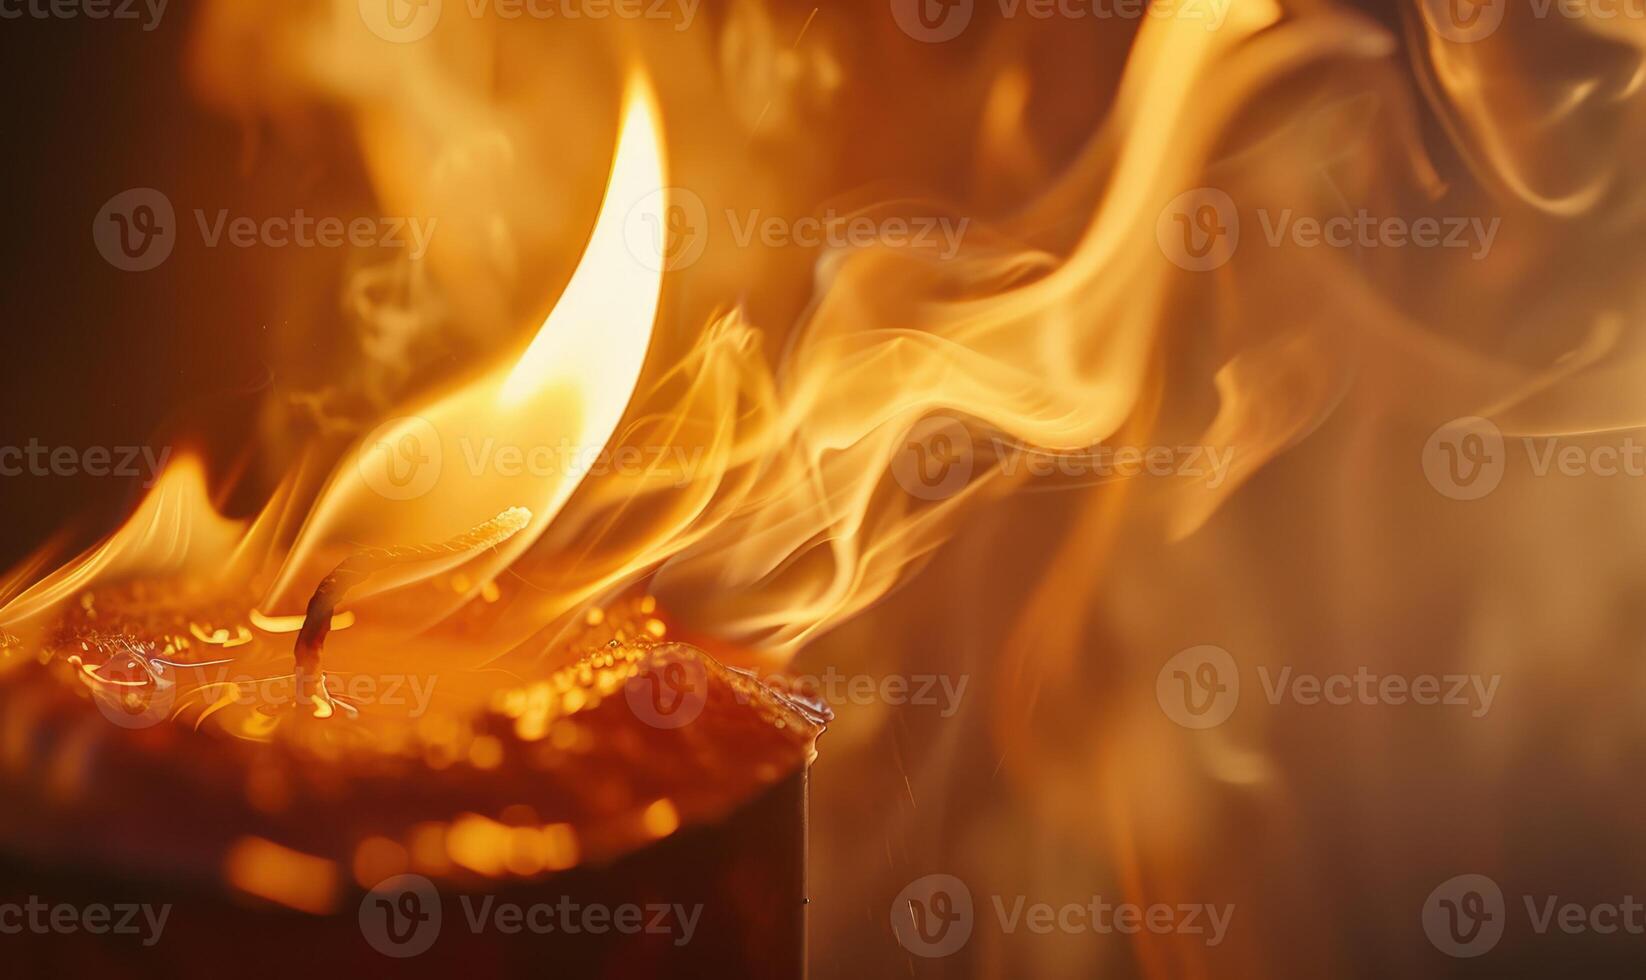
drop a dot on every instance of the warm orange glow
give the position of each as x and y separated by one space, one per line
377 858
824 456
176 531
430 473
281 875
565 392
660 819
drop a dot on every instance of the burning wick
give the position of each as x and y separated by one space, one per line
311 639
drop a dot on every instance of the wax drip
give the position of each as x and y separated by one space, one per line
311 639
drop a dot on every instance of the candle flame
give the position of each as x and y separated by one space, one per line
414 477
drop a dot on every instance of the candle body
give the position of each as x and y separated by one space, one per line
639 813
726 899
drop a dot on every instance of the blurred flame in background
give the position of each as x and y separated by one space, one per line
792 379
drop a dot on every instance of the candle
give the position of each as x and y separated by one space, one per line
432 762
639 811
